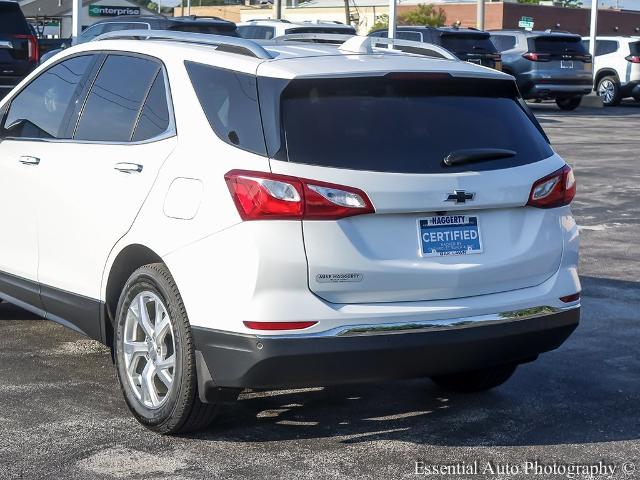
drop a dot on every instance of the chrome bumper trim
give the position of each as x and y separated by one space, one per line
432 325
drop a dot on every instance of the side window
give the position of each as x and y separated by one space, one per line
265 33
256 32
379 34
118 26
115 99
503 42
92 32
154 117
605 47
405 35
42 108
230 102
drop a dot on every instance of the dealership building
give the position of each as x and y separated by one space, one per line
55 15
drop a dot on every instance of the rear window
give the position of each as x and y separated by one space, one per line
338 30
210 28
634 48
230 102
12 20
395 124
557 45
467 43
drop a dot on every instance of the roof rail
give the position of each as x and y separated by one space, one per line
241 46
336 38
369 45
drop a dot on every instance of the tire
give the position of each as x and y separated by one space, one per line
167 402
608 89
570 103
477 380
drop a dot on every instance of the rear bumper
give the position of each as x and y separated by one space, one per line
368 353
551 90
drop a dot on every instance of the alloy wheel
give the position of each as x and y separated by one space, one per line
607 91
149 350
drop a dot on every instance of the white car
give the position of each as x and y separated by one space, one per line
227 215
617 68
268 29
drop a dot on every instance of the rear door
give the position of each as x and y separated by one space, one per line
472 47
563 58
389 136
97 182
18 46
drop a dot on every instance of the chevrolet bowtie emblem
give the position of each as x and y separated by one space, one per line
459 196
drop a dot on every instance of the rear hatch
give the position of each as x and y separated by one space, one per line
18 46
474 47
560 59
388 135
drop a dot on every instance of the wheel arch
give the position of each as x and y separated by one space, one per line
128 260
605 72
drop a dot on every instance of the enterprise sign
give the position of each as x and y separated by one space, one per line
110 11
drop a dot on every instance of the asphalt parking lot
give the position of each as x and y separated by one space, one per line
62 415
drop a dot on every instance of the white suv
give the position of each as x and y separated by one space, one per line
268 29
228 215
617 68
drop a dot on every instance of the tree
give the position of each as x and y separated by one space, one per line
382 22
424 15
571 3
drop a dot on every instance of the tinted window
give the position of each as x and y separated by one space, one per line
405 35
605 47
256 32
467 43
115 99
118 26
91 32
333 30
558 45
503 42
41 109
154 118
210 28
403 125
230 102
12 20
634 48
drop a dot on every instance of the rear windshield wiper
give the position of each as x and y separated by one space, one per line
471 155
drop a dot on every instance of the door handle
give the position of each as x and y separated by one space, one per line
128 167
28 160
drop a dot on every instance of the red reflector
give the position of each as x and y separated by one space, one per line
570 298
278 325
270 196
554 190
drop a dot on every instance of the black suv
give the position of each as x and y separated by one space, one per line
18 47
193 24
467 44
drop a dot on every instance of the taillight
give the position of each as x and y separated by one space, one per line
537 57
554 190
270 196
586 58
278 325
32 43
632 58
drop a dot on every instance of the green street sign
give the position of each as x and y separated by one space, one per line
526 23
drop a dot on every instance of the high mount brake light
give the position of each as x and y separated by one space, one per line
554 190
270 196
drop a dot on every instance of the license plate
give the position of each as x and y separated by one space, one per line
444 235
566 63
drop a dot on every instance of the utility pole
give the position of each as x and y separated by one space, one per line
347 14
76 28
189 7
593 31
392 19
480 15
277 6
